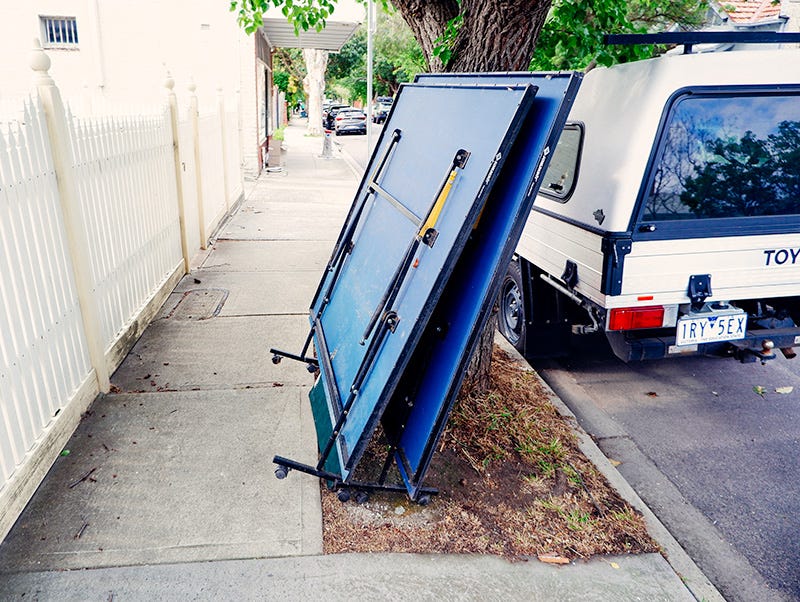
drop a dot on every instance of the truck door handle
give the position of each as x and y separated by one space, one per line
647 228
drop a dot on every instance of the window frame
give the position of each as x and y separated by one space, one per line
563 198
72 31
642 229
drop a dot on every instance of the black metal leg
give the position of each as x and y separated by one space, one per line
337 483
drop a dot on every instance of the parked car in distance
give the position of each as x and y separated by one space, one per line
329 114
350 120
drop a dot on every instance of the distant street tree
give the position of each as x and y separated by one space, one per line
288 73
314 87
397 58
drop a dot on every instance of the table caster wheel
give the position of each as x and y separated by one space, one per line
361 497
281 472
343 495
276 359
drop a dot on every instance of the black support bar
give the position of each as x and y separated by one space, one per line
690 38
336 482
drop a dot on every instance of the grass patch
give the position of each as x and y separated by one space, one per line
512 481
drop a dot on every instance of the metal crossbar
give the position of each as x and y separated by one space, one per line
687 39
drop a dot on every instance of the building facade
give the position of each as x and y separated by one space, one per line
116 54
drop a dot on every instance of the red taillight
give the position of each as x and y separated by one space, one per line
338 118
363 117
632 318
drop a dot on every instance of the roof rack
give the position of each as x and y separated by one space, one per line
689 38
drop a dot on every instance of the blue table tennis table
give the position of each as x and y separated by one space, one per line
418 263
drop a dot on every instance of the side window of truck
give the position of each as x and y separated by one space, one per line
727 155
562 173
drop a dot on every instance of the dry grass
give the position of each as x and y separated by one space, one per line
512 482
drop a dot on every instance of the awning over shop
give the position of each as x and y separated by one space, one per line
338 29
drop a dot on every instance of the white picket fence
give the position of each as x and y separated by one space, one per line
99 219
128 202
43 353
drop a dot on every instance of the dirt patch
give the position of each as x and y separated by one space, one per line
512 482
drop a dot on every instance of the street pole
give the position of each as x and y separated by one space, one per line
370 31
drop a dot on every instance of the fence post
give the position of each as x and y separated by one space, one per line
77 243
172 100
194 116
223 130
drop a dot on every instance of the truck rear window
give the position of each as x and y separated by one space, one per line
727 156
561 175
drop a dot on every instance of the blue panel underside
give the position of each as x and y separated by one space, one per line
467 299
435 123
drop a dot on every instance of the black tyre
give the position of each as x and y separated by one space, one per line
511 316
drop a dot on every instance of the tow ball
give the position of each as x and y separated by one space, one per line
747 355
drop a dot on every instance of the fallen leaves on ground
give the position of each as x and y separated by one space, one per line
512 482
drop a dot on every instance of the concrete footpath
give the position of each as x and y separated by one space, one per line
168 492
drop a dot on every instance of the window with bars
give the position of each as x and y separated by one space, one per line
59 32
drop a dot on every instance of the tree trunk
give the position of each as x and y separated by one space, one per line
476 380
427 20
314 87
496 35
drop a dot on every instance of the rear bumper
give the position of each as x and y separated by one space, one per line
632 346
352 128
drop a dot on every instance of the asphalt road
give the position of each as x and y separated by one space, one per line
355 145
716 461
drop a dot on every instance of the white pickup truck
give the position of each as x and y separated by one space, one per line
669 216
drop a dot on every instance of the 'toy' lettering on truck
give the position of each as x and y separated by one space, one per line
781 256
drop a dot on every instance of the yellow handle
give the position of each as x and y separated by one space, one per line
439 205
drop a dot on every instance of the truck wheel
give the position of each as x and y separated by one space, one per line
511 318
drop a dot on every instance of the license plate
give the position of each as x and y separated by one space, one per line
713 327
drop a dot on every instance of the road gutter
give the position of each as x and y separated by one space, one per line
693 578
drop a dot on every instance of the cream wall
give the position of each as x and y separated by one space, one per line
125 48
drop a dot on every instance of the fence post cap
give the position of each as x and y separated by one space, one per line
169 81
192 86
39 61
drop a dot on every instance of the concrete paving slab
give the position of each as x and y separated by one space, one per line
270 256
348 577
272 186
251 293
303 160
302 197
221 353
174 477
284 221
